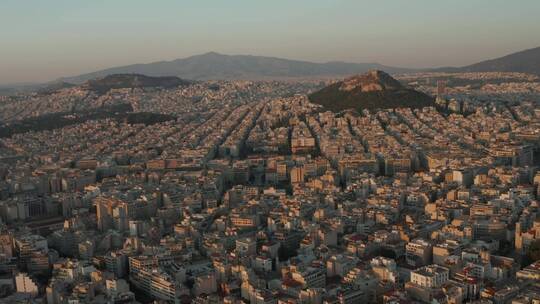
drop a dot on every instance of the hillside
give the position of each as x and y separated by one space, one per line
223 67
119 81
373 90
55 87
527 61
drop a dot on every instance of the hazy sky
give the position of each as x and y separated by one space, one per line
42 40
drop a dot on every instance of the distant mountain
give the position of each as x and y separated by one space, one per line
527 61
214 66
119 81
373 90
222 67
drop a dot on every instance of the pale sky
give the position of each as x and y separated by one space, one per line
41 40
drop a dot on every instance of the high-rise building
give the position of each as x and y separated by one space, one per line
26 285
151 279
441 88
297 175
112 214
32 251
430 276
418 253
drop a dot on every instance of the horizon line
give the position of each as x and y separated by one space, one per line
31 83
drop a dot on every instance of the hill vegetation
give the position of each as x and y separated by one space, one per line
120 81
118 112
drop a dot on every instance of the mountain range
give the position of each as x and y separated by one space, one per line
246 67
228 67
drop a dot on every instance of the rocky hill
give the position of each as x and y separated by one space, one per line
373 90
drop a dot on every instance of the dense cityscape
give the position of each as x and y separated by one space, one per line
247 192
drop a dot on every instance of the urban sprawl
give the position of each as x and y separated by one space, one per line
252 194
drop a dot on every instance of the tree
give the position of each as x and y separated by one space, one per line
533 253
285 253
